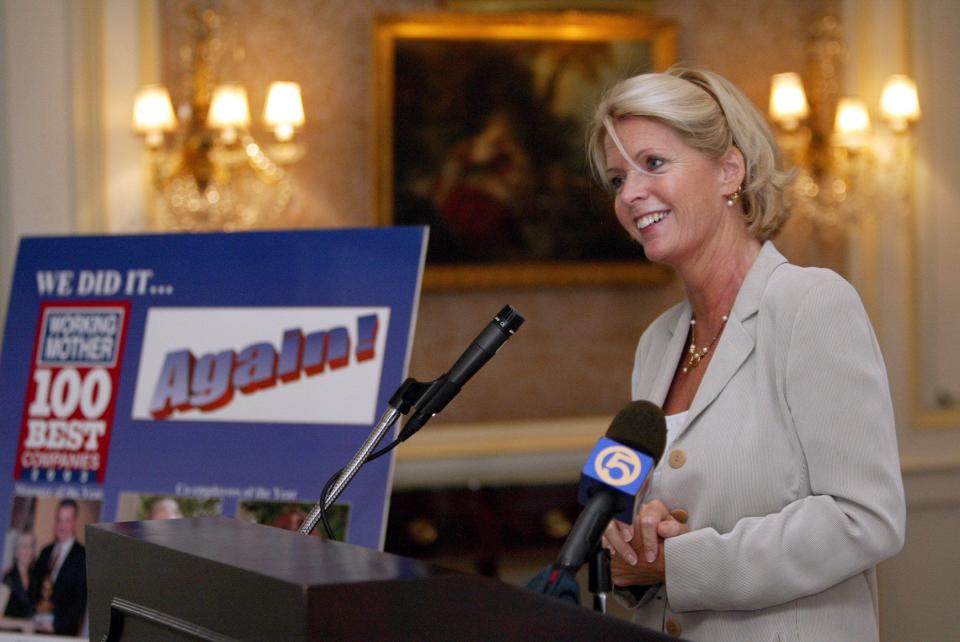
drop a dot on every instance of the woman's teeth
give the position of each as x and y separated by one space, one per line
650 219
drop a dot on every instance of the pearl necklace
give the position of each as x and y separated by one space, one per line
697 355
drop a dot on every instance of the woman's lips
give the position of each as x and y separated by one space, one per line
649 219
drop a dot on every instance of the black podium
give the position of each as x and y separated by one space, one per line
223 579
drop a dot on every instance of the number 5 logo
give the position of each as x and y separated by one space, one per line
617 465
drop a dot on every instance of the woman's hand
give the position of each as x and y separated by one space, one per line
639 573
637 550
655 523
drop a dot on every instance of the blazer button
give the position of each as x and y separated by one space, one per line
680 515
677 458
673 628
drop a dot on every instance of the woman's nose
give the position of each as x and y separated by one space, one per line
634 187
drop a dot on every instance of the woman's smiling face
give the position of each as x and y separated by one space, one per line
668 195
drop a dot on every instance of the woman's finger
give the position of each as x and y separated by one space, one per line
670 527
605 543
615 540
651 514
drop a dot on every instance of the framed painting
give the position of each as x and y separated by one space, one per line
480 133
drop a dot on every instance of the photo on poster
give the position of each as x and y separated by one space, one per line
136 507
44 565
290 516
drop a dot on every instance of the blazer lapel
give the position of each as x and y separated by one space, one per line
734 347
738 338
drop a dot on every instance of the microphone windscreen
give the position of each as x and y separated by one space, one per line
641 426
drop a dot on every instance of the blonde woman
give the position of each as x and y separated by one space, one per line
780 488
17 596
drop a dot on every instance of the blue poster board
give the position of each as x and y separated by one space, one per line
230 373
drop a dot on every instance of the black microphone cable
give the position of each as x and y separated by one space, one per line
333 479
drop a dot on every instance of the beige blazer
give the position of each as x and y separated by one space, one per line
787 465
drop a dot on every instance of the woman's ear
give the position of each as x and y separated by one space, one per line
732 169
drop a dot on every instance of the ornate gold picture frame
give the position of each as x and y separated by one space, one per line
479 133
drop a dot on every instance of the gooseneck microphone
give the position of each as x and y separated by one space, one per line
428 398
614 473
447 386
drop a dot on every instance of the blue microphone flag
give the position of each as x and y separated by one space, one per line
616 467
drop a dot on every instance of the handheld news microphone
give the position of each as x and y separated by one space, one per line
613 475
448 385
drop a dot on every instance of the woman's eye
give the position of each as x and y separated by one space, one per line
654 163
616 182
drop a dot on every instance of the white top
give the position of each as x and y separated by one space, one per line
674 424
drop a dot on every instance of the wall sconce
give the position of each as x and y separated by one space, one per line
840 170
283 111
153 114
851 127
899 102
788 101
229 111
207 169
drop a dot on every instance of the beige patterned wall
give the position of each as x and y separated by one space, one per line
574 355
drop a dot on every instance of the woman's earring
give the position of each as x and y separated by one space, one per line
733 198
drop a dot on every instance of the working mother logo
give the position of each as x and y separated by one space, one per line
74 375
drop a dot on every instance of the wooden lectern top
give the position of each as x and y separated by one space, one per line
223 579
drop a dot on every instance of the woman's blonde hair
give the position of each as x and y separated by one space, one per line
710 114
